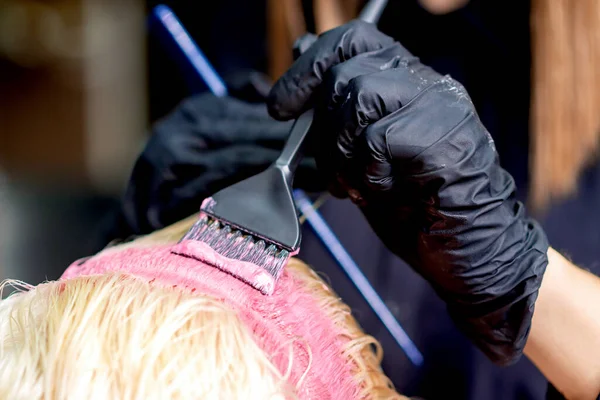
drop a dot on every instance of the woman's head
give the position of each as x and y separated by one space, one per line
113 336
137 321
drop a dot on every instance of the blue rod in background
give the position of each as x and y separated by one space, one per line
190 49
216 85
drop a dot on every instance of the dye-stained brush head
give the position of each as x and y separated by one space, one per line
252 227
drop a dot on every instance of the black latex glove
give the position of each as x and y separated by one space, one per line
204 145
408 146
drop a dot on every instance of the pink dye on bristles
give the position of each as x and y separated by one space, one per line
240 254
250 273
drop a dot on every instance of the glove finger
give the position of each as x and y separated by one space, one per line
303 43
291 93
379 152
409 77
376 159
368 87
368 98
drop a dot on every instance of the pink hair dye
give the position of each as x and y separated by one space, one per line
289 316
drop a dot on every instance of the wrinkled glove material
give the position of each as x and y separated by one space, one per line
410 142
204 145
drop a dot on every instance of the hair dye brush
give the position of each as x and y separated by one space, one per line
252 226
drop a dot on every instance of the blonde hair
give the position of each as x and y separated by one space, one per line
116 336
565 118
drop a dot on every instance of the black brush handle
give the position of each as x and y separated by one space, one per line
292 151
372 11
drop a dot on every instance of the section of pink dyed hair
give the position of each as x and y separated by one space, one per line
289 316
248 272
254 275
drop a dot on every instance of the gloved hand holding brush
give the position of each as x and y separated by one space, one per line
408 147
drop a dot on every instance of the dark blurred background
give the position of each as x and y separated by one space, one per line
73 112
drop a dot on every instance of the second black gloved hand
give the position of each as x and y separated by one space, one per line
407 145
204 145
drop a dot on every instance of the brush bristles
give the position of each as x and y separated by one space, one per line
238 245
